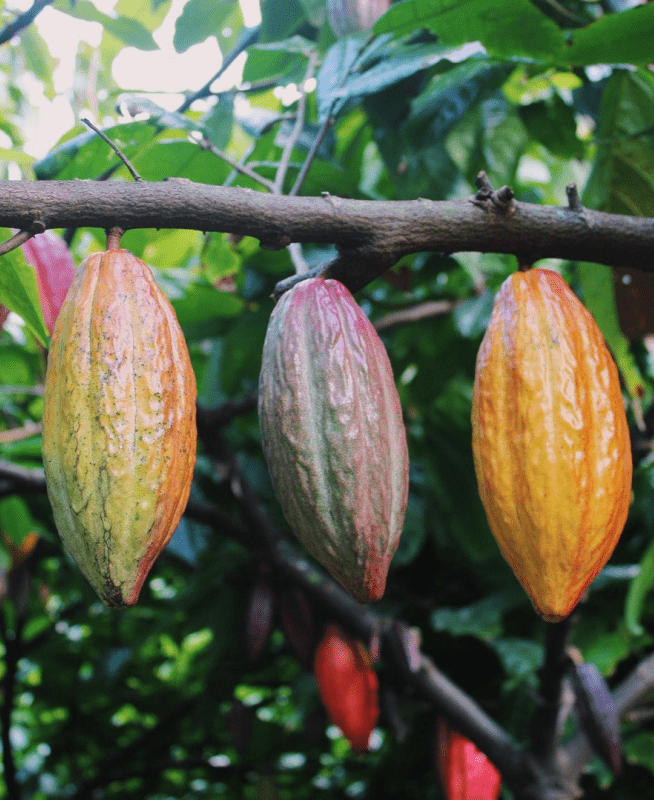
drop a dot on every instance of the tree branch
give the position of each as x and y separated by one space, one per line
23 20
371 235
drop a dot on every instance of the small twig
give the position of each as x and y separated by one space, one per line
18 434
574 203
327 123
431 308
23 20
250 38
115 148
302 174
297 259
16 240
205 144
297 128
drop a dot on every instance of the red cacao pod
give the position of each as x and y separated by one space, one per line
119 433
333 433
348 686
550 440
53 263
354 16
465 772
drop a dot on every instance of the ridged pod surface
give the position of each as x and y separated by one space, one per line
354 16
348 686
550 440
333 433
119 434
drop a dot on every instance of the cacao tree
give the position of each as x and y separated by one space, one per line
410 157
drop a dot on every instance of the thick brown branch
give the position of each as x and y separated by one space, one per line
370 235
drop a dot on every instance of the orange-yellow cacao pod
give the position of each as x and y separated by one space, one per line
550 440
119 434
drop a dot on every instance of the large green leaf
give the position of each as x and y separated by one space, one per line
622 182
203 18
517 28
451 95
625 38
280 22
18 290
127 29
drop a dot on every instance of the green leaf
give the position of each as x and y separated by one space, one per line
482 619
337 62
407 61
201 303
88 156
638 590
510 29
15 519
279 23
451 95
622 182
18 290
315 11
520 658
203 18
552 123
127 29
625 38
38 58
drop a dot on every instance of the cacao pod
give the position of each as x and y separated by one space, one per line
354 16
465 772
53 264
119 433
348 686
333 433
550 440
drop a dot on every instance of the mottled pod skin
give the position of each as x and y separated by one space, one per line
119 434
550 440
333 433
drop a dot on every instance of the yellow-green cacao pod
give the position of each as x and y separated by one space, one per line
333 433
550 440
119 433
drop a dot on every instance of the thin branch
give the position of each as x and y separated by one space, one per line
302 174
297 128
370 235
205 144
115 148
246 39
18 434
16 241
327 122
23 20
416 313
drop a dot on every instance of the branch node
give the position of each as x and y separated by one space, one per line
574 203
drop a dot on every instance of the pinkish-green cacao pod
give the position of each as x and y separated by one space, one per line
333 433
354 16
119 434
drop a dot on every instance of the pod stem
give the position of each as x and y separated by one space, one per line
546 721
114 236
